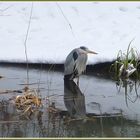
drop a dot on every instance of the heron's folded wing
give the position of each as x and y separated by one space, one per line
70 63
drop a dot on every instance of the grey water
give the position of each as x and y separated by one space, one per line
98 107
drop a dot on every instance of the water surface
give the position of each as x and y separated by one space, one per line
95 97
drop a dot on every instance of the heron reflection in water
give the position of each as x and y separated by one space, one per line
74 100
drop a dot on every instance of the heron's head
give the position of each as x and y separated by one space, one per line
86 50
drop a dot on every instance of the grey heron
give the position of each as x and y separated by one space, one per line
75 63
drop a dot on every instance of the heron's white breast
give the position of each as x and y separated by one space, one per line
81 63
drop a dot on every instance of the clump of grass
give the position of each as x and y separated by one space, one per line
125 62
28 102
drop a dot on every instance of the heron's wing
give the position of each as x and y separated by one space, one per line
70 62
75 55
75 63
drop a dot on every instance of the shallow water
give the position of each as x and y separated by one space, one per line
94 96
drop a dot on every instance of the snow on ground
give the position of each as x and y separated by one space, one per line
105 27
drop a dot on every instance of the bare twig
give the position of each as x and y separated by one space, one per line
3 10
39 80
66 19
25 44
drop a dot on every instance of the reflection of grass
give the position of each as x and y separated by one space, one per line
130 89
126 59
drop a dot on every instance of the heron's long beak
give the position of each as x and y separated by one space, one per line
92 52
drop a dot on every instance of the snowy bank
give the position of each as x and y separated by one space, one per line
58 27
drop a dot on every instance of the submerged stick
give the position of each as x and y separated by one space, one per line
10 91
2 122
